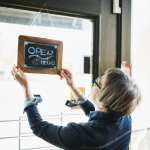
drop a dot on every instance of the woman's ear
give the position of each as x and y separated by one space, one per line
95 93
125 67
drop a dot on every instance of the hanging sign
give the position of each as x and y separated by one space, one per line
39 55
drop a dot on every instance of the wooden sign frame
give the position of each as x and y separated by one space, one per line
41 70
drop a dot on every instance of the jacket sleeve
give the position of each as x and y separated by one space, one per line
60 136
87 106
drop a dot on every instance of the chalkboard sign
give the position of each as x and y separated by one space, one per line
39 55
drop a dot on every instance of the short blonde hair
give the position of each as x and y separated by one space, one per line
119 93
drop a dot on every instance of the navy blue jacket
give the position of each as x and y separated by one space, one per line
103 131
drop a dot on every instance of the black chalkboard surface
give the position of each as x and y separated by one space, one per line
39 55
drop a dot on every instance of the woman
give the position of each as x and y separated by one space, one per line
109 126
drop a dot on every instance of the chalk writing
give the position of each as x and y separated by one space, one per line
40 55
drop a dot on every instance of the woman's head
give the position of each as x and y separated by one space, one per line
117 92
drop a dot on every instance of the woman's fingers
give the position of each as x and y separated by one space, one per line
67 72
16 72
21 72
64 75
12 72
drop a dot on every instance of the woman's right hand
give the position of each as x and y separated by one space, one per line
20 77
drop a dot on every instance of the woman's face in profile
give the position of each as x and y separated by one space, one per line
96 88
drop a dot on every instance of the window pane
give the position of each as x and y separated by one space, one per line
77 36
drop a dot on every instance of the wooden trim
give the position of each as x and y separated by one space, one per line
42 70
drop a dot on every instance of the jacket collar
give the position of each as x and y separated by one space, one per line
98 115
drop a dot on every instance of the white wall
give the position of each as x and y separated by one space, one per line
140 58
